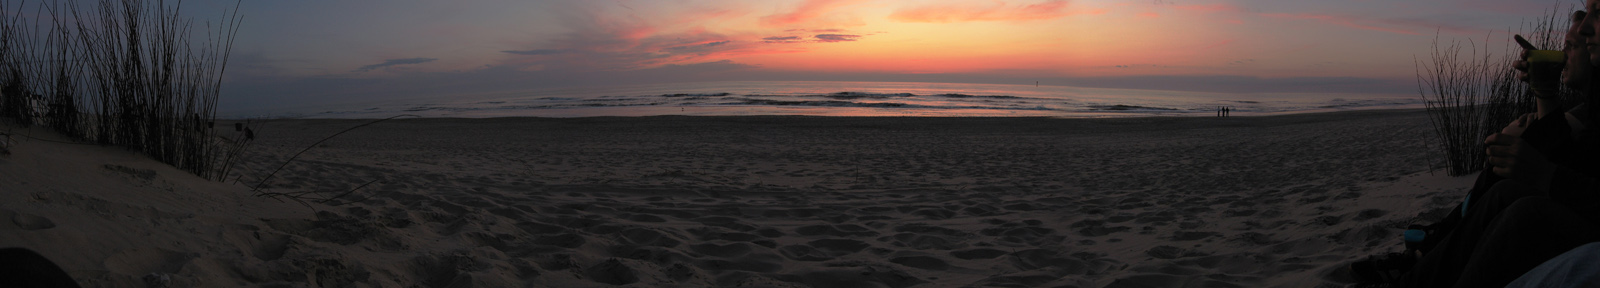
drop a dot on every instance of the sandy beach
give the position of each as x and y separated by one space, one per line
753 201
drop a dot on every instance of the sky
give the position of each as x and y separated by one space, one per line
291 52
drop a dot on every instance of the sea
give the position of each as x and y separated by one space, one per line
835 98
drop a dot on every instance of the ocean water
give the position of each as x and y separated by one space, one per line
830 98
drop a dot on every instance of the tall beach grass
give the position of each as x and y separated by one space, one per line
1471 93
131 73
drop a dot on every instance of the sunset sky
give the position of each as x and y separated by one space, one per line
293 51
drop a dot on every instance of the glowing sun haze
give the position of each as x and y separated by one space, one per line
297 50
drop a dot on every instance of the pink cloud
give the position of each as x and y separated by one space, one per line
1210 8
1432 25
1509 7
814 30
1218 44
601 41
1397 26
808 12
1351 22
1148 15
998 11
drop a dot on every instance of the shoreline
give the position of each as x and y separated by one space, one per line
665 113
1316 115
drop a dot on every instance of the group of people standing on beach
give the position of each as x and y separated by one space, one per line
1222 111
1532 218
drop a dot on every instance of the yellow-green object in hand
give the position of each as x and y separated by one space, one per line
1546 56
1544 72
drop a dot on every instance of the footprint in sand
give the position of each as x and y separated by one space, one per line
846 230
27 221
923 242
979 253
922 262
613 272
1040 258
1369 214
1170 252
804 253
1191 235
726 251
141 261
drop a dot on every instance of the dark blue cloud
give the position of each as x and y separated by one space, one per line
836 37
393 62
695 48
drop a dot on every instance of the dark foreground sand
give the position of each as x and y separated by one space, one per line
750 201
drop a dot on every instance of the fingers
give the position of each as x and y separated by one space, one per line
1503 162
1498 151
1503 152
1502 139
1524 43
1521 66
1525 119
1512 130
1503 172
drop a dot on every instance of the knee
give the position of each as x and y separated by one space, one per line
1530 214
1533 206
1510 184
1511 190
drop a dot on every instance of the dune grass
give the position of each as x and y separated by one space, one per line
130 73
1472 95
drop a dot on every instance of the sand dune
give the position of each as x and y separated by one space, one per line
749 202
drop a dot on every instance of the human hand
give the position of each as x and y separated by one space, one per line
1540 68
1516 159
1521 124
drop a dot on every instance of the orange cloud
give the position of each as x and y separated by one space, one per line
1149 15
999 11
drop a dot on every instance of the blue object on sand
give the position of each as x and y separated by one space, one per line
1415 236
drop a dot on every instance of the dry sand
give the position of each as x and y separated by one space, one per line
1280 201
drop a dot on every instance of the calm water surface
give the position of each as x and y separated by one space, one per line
827 98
